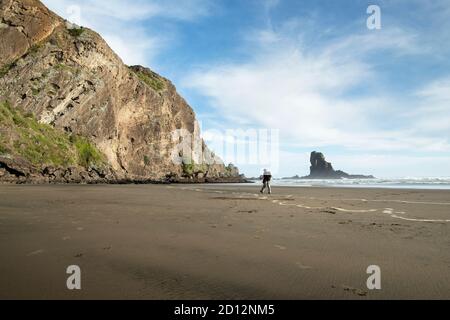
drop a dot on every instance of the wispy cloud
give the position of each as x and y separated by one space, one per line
433 113
306 91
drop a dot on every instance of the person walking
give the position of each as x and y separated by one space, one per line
266 178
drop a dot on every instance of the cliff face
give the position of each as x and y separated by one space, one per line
321 169
68 78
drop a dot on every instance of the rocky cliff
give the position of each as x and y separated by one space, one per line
66 85
321 169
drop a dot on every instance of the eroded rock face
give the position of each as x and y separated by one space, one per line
321 169
22 24
71 79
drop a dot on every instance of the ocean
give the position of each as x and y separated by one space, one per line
393 183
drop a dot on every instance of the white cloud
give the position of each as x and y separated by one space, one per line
433 114
437 91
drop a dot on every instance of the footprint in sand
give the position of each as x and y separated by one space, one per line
355 291
302 266
34 253
247 211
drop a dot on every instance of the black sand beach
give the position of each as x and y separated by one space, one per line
223 242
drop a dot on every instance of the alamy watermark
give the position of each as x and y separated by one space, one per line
254 146
374 280
74 280
374 20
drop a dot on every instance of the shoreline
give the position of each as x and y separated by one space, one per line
128 182
248 183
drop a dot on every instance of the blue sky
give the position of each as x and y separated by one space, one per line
374 101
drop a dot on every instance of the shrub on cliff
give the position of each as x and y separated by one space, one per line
41 144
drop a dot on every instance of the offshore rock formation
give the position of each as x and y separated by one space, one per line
68 78
321 169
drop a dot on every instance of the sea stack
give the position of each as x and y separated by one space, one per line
321 169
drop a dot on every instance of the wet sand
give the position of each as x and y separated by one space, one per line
223 242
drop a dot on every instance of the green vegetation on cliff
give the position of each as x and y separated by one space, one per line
190 169
5 69
22 135
76 32
87 153
150 78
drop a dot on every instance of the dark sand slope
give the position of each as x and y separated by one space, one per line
183 242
